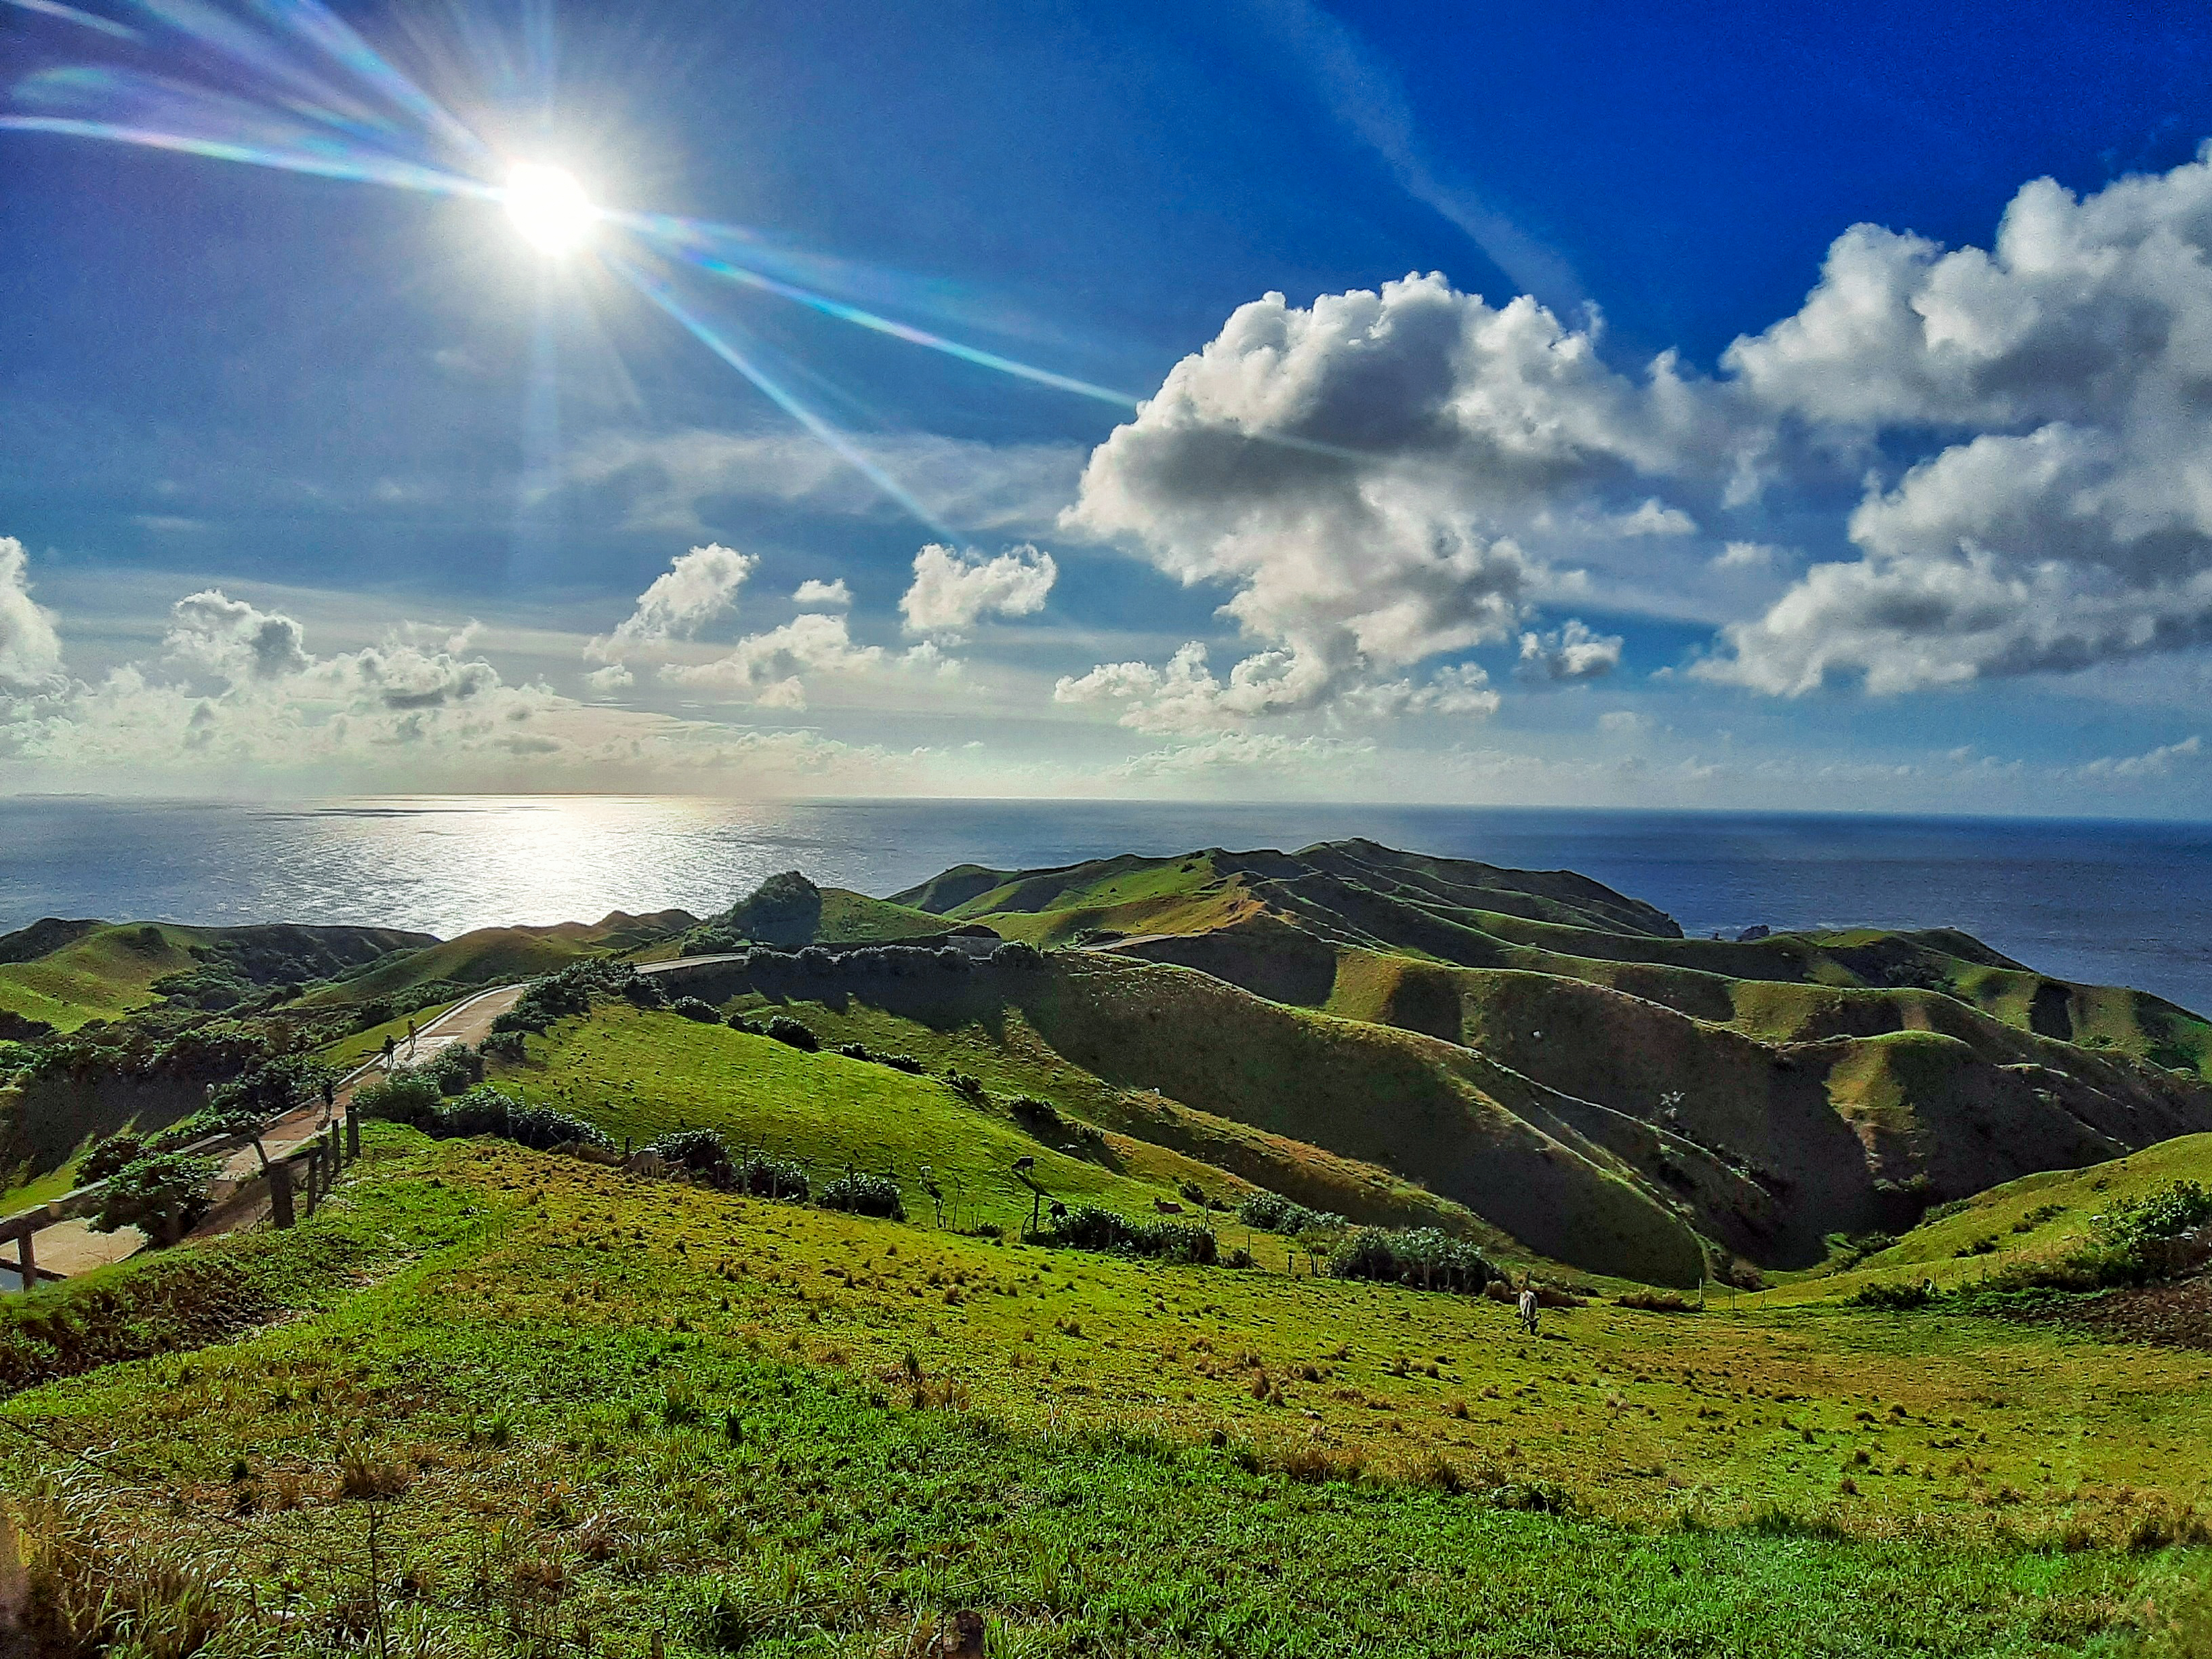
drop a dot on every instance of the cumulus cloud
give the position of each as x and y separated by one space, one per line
1376 477
1570 654
696 588
233 639
1744 555
951 590
2158 762
30 650
2067 520
817 594
770 667
615 676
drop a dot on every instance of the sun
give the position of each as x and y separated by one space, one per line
549 207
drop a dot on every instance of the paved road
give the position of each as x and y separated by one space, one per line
68 1248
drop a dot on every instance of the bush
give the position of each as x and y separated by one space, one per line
1270 1213
270 1088
701 1152
1040 1114
1016 953
162 1193
784 1029
954 957
692 1008
455 1069
1656 1301
906 1063
864 1194
111 1155
507 1046
405 1096
749 1027
969 1089
854 1051
544 1128
1894 1298
1422 1257
773 1177
1092 1227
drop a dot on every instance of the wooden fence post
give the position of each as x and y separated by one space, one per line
27 1269
280 1193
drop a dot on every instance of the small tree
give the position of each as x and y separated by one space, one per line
162 1194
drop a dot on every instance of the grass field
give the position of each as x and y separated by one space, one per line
590 1401
105 974
489 1401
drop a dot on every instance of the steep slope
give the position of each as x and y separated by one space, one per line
1429 1112
492 956
102 970
790 911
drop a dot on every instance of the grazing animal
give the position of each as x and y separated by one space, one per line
645 1163
1167 1207
1528 1308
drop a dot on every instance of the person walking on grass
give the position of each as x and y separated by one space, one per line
1528 1308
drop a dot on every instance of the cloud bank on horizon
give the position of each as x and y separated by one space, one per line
2006 451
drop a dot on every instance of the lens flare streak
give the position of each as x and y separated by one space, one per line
659 293
680 237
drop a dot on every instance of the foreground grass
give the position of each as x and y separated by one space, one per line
583 1408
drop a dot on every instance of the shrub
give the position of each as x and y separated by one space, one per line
544 1128
749 1027
1863 1245
162 1193
405 1096
864 1194
969 1089
854 1051
1270 1213
1895 1298
507 1046
111 1155
906 1063
773 1177
1017 953
1656 1301
1042 1114
1422 1257
954 957
1092 1227
455 1069
784 1029
692 1008
1191 1193
701 1152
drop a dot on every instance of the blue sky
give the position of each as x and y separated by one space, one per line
311 483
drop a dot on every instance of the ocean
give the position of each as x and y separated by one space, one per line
2098 901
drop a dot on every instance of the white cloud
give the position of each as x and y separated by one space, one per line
696 588
1376 477
1744 555
30 650
1268 753
233 639
817 594
769 666
1623 723
2154 763
1572 654
2068 520
951 590
615 676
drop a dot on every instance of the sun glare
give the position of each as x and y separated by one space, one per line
549 207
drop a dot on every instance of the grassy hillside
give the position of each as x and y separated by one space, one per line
497 956
2039 1218
99 971
638 1075
1428 1113
589 1401
791 912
